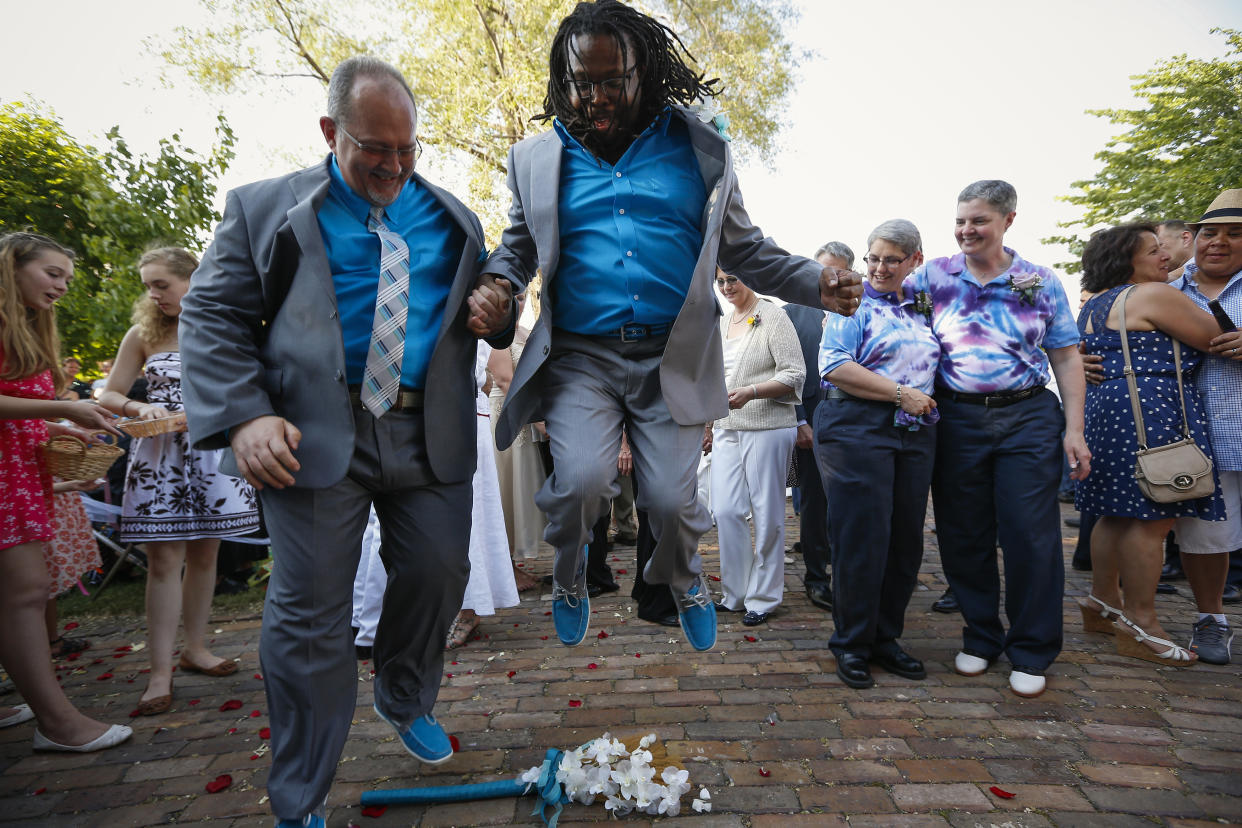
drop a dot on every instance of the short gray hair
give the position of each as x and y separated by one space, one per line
346 74
839 249
901 233
999 194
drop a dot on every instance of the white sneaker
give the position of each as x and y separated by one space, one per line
1026 685
966 664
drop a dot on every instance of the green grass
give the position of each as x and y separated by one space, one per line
128 597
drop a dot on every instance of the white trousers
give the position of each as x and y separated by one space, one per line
748 477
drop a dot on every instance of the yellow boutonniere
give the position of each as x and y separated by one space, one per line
753 320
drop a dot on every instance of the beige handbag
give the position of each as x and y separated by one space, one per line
1178 471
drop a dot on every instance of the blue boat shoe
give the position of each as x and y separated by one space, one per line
697 615
571 613
309 821
424 739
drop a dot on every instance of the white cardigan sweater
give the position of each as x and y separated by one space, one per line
768 350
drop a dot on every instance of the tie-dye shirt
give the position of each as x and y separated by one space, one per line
993 336
890 338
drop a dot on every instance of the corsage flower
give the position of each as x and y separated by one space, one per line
923 304
1026 285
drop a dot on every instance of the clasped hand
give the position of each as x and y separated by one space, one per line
490 305
840 291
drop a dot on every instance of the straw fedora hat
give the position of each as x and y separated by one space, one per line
1226 208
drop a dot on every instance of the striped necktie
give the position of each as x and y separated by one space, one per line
381 381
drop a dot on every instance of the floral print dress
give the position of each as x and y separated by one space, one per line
25 484
174 492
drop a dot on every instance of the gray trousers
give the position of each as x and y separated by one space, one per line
307 650
590 389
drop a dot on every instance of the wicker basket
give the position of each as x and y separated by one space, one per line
71 459
150 428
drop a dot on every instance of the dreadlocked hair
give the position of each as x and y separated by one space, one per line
29 342
662 57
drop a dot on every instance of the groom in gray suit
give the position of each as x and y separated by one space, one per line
329 344
626 206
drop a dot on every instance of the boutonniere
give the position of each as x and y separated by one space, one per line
709 113
1026 285
753 320
923 304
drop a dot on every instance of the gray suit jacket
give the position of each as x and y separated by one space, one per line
692 369
260 334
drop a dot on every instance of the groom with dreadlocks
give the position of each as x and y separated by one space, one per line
626 206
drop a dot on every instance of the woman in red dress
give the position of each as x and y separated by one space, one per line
34 273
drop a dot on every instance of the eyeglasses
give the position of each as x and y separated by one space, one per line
612 86
405 155
728 280
888 261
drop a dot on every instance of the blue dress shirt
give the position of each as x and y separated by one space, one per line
630 233
435 242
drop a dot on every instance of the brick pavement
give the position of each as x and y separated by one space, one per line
1114 741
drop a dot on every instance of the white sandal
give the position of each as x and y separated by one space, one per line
1133 644
1099 621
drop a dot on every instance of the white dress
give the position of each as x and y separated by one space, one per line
520 470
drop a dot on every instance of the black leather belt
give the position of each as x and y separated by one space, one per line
405 399
835 393
996 399
635 332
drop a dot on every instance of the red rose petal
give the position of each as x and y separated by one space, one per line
765 773
543 638
254 756
103 676
119 655
592 666
575 703
448 675
194 701
622 572
1003 794
219 783
638 655
254 714
750 638
714 577
602 634
72 625
231 704
40 791
511 673
374 811
125 649
549 612
231 731
265 733
73 657
133 714
97 661
456 745
259 676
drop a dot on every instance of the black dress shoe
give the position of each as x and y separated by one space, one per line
1074 522
363 652
854 671
720 607
596 590
663 621
820 596
754 619
546 580
900 663
1164 588
1079 566
947 602
1232 594
1172 572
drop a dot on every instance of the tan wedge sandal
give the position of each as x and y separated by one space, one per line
1098 620
1131 641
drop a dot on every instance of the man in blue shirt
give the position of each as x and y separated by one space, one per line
329 344
626 206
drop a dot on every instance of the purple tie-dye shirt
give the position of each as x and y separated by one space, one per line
890 338
993 336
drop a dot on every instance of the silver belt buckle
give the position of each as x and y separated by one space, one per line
633 333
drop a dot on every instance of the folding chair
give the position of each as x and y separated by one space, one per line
108 514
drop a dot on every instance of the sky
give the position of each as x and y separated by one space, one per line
902 104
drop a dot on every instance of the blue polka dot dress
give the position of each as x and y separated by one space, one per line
1110 489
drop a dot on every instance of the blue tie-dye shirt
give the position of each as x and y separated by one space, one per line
888 337
993 336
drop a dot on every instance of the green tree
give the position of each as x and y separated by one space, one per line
479 67
1177 153
109 206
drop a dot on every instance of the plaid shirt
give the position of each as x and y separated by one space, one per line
1220 380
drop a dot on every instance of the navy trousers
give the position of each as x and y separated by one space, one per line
813 532
876 477
996 480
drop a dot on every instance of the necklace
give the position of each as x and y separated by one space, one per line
733 320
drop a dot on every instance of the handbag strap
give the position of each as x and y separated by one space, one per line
1135 404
